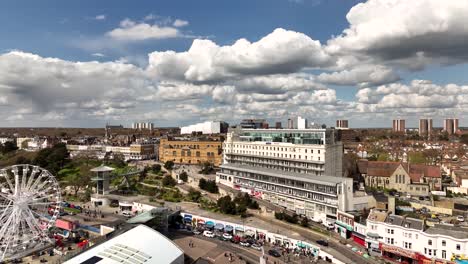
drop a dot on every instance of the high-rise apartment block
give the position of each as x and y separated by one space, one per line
278 125
290 123
342 123
425 127
399 125
143 125
299 169
451 125
301 123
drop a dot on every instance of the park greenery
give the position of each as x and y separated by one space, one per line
168 181
8 147
236 206
208 185
194 195
293 219
169 165
183 176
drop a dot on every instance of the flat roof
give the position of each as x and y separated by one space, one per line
317 179
140 244
102 168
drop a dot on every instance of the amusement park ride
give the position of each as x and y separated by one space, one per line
29 206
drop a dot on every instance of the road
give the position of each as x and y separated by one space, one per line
340 251
250 255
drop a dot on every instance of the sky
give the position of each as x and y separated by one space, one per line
174 63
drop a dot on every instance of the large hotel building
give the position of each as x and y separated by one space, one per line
190 151
298 169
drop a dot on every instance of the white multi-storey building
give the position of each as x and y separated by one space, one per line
301 123
209 127
143 125
299 169
408 239
3 140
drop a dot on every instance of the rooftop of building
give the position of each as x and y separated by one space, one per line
387 168
448 230
102 168
285 130
140 244
378 216
326 180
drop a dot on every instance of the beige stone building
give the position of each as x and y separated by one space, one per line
415 179
191 151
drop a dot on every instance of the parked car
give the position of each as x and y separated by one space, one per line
63 213
127 213
235 239
330 226
196 232
322 242
208 233
257 246
274 253
460 218
244 244
227 236
222 238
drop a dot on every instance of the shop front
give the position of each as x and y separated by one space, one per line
399 254
343 229
359 238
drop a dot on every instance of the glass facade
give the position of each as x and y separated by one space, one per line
298 137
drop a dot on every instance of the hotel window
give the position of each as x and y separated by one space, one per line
429 242
458 247
444 254
444 243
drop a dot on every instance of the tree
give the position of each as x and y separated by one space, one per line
183 176
208 185
169 165
226 205
53 159
22 160
194 195
118 160
156 168
202 184
168 181
8 147
207 168
246 201
305 222
464 139
77 178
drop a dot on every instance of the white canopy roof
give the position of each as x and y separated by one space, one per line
138 245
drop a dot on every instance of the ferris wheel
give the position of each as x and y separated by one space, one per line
29 205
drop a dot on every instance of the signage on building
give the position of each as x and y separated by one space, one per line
348 227
399 251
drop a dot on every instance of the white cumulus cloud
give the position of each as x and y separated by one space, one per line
133 31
